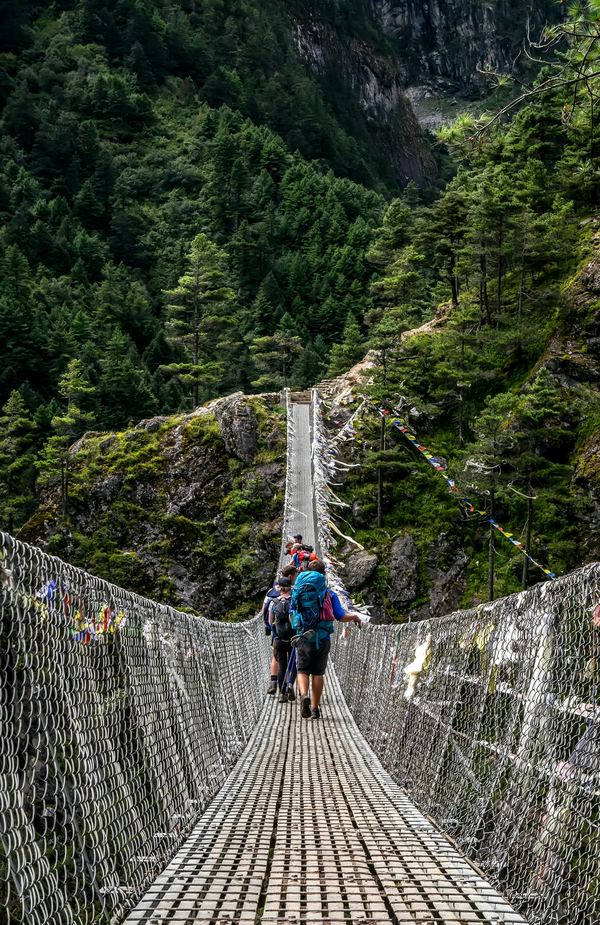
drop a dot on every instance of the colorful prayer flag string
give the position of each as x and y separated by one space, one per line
434 461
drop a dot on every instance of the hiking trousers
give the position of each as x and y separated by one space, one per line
282 650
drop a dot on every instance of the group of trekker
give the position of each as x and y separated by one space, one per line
299 613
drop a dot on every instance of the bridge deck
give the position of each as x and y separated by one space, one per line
310 828
300 488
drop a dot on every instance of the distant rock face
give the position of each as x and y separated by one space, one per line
404 570
590 276
444 577
372 77
359 567
239 426
452 41
447 576
439 47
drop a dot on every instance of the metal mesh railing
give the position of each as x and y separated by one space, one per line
490 719
120 719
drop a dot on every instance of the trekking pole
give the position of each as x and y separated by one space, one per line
290 670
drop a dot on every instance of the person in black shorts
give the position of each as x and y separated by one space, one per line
279 617
312 652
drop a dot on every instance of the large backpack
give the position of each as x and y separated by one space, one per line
308 615
272 595
280 615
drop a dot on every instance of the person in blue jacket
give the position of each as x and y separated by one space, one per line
313 639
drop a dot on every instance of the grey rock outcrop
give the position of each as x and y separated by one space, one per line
359 568
447 576
163 511
238 424
404 570
590 276
452 41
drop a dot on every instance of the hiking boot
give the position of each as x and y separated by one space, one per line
305 707
291 696
272 688
315 713
283 698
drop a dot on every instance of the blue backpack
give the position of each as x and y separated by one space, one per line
307 616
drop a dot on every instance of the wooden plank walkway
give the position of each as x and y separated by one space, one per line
309 828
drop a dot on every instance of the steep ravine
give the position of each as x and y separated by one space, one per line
373 76
404 51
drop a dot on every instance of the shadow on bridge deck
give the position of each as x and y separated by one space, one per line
310 828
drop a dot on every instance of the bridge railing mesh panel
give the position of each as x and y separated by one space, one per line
490 719
120 719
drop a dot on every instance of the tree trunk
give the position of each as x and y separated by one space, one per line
491 550
195 393
500 270
484 302
520 303
454 281
65 485
380 475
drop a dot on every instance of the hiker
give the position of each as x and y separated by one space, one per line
312 556
302 555
297 555
288 571
314 609
279 618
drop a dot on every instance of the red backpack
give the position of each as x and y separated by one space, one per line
327 607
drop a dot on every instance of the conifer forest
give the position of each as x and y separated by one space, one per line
207 197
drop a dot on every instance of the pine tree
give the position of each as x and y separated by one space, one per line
125 388
78 395
273 357
310 366
196 315
351 349
17 456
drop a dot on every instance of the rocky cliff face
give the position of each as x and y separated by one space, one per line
373 78
407 49
184 509
449 40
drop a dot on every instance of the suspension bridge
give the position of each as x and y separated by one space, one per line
145 777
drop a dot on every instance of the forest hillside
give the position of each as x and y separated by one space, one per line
203 199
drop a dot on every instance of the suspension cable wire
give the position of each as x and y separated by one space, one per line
324 466
121 718
490 720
